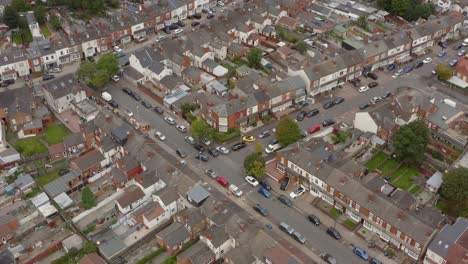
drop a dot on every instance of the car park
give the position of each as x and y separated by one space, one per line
298 192
202 156
128 112
181 153
372 75
360 252
328 104
248 139
223 150
211 173
286 228
181 128
190 140
364 106
159 135
264 134
266 185
427 60
251 180
301 115
338 100
452 63
146 104
235 190
328 122
260 209
335 234
263 191
363 89
408 69
221 180
48 77
442 54
314 219
198 147
158 110
373 84
284 184
205 141
213 152
238 146
285 200
170 120
312 112
299 237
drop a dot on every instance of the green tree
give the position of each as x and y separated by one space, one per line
20 5
340 137
410 142
385 4
87 70
187 108
287 132
40 13
200 128
423 10
455 192
109 64
401 7
254 164
98 74
301 47
254 56
444 72
362 22
55 22
10 17
87 198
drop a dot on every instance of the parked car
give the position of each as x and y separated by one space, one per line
159 135
284 183
181 23
221 180
272 148
372 75
442 54
442 44
181 128
312 112
5 83
260 209
335 234
285 200
181 153
299 237
265 184
117 49
328 104
408 69
364 106
461 53
238 146
328 122
248 139
136 96
114 104
205 141
328 258
202 156
301 115
160 38
235 190
303 133
223 150
264 192
360 252
391 67
418 64
314 219
298 192
178 31
195 23
453 63
264 134
146 104
251 180
220 3
386 95
211 173
158 110
196 16
363 89
190 140
458 47
301 105
375 261
376 99
198 147
48 77
210 16
338 100
128 112
373 84
286 228
273 142
398 73
313 129
213 152
170 120
427 60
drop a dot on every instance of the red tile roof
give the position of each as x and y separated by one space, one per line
131 195
462 68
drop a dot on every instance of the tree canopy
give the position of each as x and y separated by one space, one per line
410 10
254 56
410 142
200 128
87 198
287 132
10 17
55 22
254 164
444 72
99 73
40 13
301 47
455 192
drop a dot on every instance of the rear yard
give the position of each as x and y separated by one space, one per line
55 134
30 146
405 181
375 161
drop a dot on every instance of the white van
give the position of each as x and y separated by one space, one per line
272 148
235 190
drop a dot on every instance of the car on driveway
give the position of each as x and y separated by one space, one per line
248 139
284 184
190 140
285 200
363 89
264 134
314 219
159 135
328 122
263 191
170 120
328 104
202 156
298 192
312 112
251 180
211 173
360 252
146 104
181 128
301 115
335 234
338 100
373 84
222 149
221 180
260 209
442 54
408 69
427 60
238 146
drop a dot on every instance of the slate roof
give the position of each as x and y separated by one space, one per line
167 195
174 234
449 235
217 235
62 86
192 72
24 180
435 180
61 184
197 193
199 253
72 140
17 100
88 160
171 81
118 175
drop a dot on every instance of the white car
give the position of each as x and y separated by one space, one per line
251 180
398 73
128 112
427 60
159 136
115 78
178 31
181 128
220 3
235 190
363 89
309 42
117 49
301 190
160 38
376 99
170 120
223 150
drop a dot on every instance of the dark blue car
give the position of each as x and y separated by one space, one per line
391 67
407 69
263 191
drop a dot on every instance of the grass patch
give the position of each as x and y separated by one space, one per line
45 30
388 166
398 173
30 146
151 256
34 191
333 212
55 134
47 178
90 229
375 161
349 223
405 180
225 137
415 189
239 62
287 35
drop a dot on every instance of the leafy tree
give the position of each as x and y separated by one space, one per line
55 22
340 137
455 192
254 164
40 13
362 22
410 142
301 47
200 128
187 108
87 198
20 6
444 72
385 4
401 7
97 74
287 132
423 10
108 63
254 56
10 17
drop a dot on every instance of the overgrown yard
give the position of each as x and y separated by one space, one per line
47 178
375 161
30 146
55 134
405 180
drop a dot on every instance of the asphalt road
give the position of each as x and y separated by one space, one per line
230 166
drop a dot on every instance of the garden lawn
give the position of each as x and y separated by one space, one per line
398 173
45 30
405 180
388 166
30 147
375 161
55 134
415 189
333 212
349 223
47 178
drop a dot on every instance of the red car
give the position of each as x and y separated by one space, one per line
222 181
314 129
